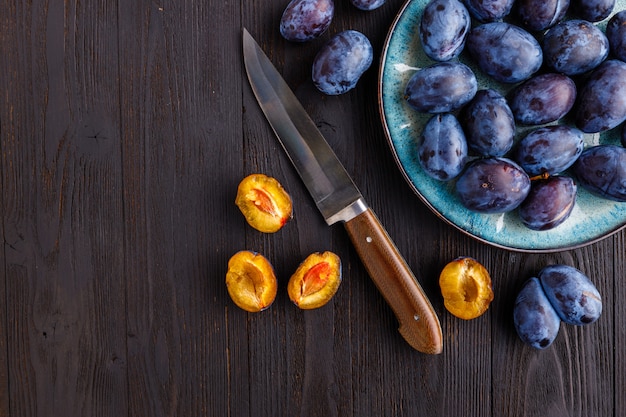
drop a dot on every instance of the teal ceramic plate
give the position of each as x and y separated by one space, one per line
593 218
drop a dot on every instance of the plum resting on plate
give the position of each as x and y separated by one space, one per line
340 63
442 149
488 124
543 98
602 100
443 28
539 15
601 169
549 149
574 47
616 34
441 88
492 185
489 10
549 203
505 52
593 10
305 20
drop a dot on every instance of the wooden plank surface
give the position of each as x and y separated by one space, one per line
125 127
62 187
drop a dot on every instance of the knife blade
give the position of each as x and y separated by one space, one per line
339 200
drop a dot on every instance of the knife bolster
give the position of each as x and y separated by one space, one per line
349 212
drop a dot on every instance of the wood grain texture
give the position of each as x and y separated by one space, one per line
125 127
61 187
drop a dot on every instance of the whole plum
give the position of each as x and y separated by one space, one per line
505 52
572 294
537 15
536 321
305 20
441 88
443 28
367 4
549 203
489 10
488 123
340 63
492 185
602 100
442 149
543 98
601 169
549 149
593 10
624 135
574 47
616 33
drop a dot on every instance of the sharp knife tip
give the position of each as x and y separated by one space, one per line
248 40
246 35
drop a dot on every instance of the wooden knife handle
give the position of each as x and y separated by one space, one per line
419 324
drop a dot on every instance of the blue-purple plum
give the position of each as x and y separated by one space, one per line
488 123
543 98
367 5
572 294
444 26
340 63
489 10
616 34
549 203
536 322
574 47
442 149
538 15
602 99
492 185
305 20
441 88
505 52
593 10
601 169
549 149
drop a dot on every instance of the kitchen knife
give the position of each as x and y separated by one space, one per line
339 200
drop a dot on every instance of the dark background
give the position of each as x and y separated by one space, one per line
125 128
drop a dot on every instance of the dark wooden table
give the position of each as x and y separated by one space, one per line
125 129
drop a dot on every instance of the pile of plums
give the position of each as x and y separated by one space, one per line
559 293
340 63
556 77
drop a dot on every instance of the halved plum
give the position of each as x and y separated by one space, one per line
466 288
251 281
264 203
315 281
